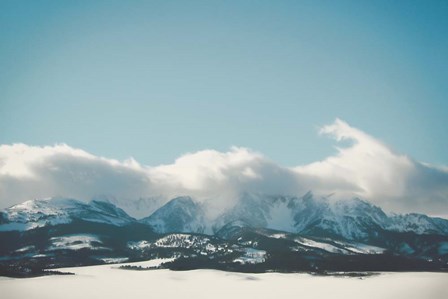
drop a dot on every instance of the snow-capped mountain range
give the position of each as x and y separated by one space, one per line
287 233
352 219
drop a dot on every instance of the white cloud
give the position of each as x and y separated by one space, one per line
28 172
212 174
371 170
366 168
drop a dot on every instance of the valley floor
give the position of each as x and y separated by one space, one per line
107 281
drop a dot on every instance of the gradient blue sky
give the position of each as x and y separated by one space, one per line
156 79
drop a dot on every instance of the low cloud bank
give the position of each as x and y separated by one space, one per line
366 168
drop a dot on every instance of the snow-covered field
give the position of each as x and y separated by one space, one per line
107 281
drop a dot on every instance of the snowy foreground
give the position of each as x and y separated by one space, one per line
107 281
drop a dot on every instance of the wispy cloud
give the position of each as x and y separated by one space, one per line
365 168
370 169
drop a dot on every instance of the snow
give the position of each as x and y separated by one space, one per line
113 260
148 263
53 211
210 247
38 213
25 249
320 245
75 242
139 245
181 240
278 236
361 248
252 256
107 281
281 217
188 213
365 249
176 241
418 223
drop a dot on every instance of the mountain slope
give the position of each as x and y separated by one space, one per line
53 211
181 214
261 233
350 219
418 223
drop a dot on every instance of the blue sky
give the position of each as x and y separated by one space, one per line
156 79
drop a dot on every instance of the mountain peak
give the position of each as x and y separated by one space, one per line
181 214
58 210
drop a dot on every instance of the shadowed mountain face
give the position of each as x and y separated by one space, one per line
315 233
352 219
181 214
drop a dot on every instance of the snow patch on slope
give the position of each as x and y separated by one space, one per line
76 242
320 245
252 256
280 217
